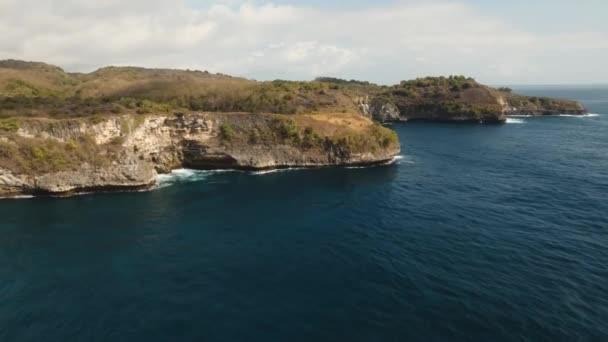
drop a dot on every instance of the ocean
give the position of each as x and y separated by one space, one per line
476 233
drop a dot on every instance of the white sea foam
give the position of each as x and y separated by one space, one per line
592 115
515 121
396 160
17 197
267 172
404 160
184 176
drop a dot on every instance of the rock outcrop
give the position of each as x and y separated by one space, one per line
115 177
457 99
541 106
128 152
383 110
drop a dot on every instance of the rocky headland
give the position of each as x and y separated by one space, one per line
458 99
127 152
119 127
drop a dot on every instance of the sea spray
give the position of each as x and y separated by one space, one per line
185 176
515 121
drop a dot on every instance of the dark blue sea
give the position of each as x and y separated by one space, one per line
478 233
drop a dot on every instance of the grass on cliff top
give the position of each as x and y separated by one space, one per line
37 89
312 131
35 156
354 131
534 102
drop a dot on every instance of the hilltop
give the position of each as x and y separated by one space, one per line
38 89
117 128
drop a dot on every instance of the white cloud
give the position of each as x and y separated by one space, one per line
265 41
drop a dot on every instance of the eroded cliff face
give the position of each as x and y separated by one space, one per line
478 104
45 156
473 103
541 106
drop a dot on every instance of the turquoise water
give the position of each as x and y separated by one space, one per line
478 233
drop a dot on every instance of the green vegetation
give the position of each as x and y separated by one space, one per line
117 141
37 89
310 138
452 82
284 128
9 125
41 90
37 156
443 98
544 104
342 81
316 133
226 132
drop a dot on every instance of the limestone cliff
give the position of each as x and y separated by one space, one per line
49 156
457 99
541 106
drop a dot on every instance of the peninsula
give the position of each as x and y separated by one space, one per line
117 128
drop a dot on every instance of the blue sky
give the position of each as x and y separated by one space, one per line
498 42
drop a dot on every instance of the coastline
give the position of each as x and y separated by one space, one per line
161 178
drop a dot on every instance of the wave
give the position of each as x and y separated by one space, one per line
179 176
515 121
396 160
17 197
590 115
266 172
184 176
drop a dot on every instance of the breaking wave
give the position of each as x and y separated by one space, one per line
590 115
267 172
515 121
184 176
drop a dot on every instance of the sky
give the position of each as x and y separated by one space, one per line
383 41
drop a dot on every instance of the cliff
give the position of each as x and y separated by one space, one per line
532 105
458 99
126 152
118 127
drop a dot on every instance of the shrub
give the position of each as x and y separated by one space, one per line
310 138
38 156
254 136
38 153
9 125
72 144
226 132
117 141
284 128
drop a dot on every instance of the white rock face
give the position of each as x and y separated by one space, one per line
379 109
363 104
144 146
11 184
111 178
106 131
